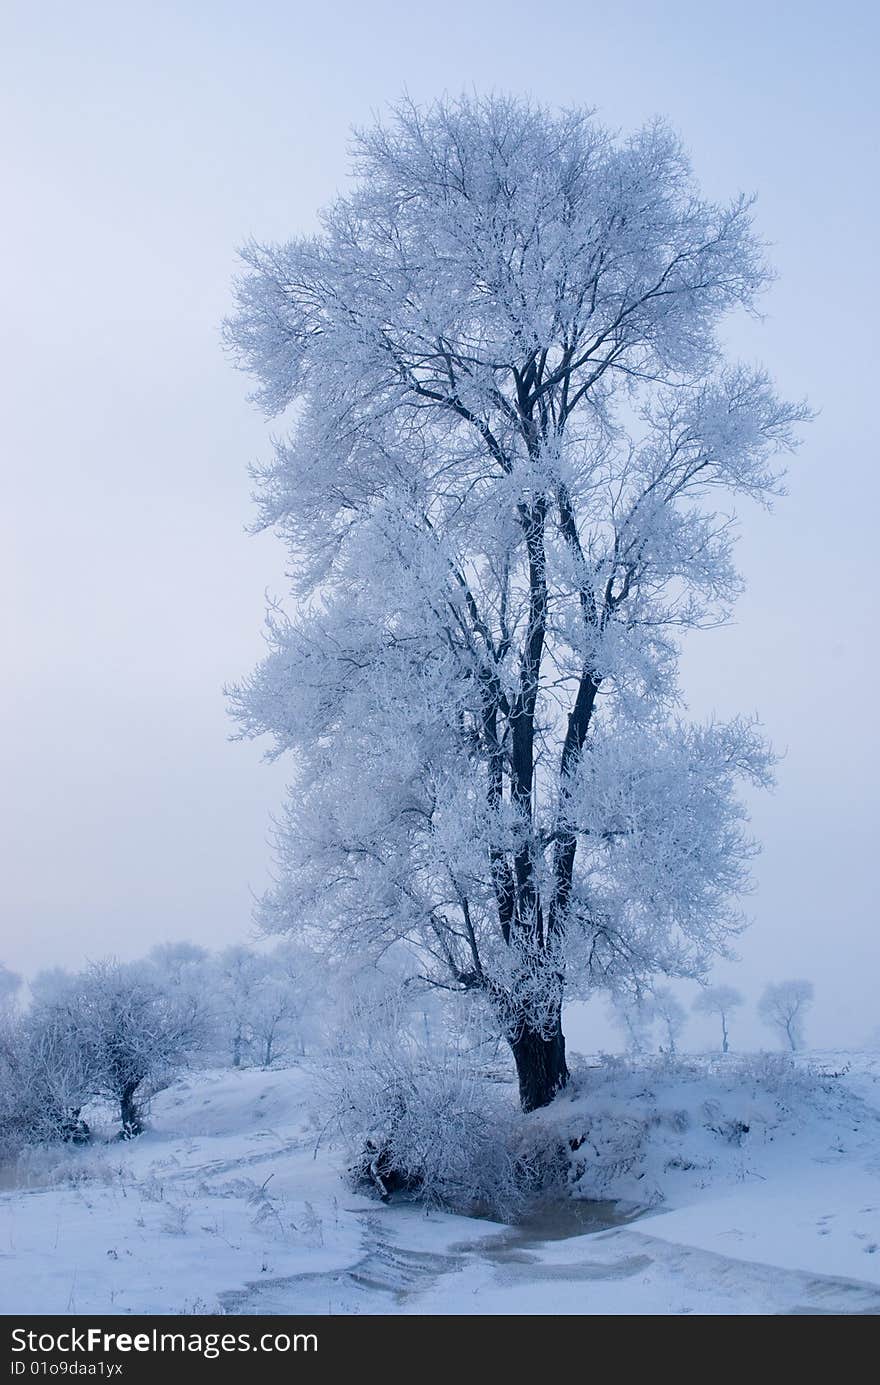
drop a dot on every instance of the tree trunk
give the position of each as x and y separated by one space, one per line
131 1117
540 1066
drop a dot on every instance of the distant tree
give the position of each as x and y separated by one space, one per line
671 1015
783 1007
304 974
186 973
10 984
720 1001
240 972
269 1003
182 965
368 999
51 985
633 1015
505 499
273 1018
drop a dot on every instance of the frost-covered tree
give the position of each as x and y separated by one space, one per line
506 494
180 966
46 1071
46 1079
670 1014
269 1003
136 1034
302 975
239 971
720 1001
368 999
783 1007
272 1020
186 973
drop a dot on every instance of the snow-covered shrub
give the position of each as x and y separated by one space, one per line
435 1130
426 1120
792 1082
634 1128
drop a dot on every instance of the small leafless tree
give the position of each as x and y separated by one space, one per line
719 1000
669 1012
632 1015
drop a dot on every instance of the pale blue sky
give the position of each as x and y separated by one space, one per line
144 143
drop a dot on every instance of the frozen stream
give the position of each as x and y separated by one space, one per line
393 1273
573 1249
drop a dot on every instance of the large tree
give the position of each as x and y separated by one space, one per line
511 417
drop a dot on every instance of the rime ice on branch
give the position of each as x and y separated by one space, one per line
504 495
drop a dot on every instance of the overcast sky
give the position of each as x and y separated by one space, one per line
147 141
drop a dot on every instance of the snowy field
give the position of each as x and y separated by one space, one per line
721 1187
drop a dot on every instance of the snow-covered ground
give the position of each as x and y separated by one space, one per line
763 1192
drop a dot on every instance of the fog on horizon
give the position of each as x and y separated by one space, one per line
147 143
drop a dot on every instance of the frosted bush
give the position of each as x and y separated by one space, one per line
426 1122
791 1082
632 1126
